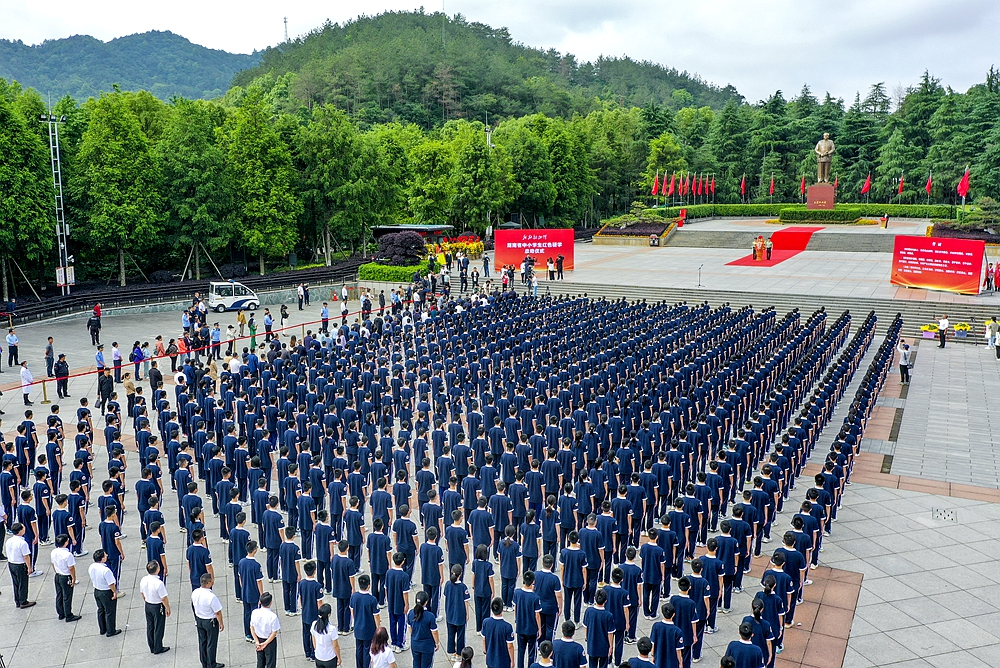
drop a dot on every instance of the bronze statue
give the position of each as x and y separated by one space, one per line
824 154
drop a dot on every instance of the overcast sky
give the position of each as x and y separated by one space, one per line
758 46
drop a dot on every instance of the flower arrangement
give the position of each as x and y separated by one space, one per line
929 328
963 327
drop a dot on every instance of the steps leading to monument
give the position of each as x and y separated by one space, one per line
826 241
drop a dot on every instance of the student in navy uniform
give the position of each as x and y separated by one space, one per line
774 609
397 594
251 585
527 615
406 536
354 521
763 635
456 537
549 590
510 566
632 579
711 571
668 640
726 549
432 569
379 554
423 632
797 569
272 523
366 620
566 652
600 625
744 652
573 559
456 610
619 607
528 535
482 585
591 542
544 655
498 637
324 550
310 598
342 573
550 523
652 557
606 526
291 571
645 647
685 617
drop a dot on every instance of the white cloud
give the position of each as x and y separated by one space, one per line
758 46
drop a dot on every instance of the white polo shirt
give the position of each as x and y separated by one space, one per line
205 603
62 560
17 549
264 622
152 588
101 576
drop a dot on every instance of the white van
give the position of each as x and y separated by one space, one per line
231 295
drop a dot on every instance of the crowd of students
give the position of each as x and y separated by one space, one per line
553 458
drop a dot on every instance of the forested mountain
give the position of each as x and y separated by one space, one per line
163 63
428 68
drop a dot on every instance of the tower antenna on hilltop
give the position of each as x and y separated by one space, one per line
286 28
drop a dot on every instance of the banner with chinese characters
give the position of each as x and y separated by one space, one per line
512 245
936 263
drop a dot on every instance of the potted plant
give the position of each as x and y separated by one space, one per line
962 329
929 331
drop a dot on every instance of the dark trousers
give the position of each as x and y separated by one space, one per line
433 598
573 599
904 371
272 563
650 598
456 638
62 388
268 657
248 609
107 611
156 620
597 662
548 625
307 641
19 577
526 645
325 576
288 590
208 641
362 652
482 605
607 565
941 335
64 596
507 590
397 629
590 588
378 586
344 613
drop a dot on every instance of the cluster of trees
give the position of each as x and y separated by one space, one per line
161 62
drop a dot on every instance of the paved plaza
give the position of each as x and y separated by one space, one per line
909 577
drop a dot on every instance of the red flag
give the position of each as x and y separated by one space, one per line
902 180
687 185
670 190
930 182
656 183
663 185
868 184
743 185
701 184
713 185
963 185
771 191
802 188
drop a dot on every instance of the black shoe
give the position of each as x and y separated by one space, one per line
29 604
162 650
220 665
73 618
112 634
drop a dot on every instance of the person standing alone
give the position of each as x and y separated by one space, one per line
943 326
209 621
157 607
904 362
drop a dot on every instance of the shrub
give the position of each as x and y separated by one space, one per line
774 210
401 249
949 230
233 271
636 230
162 276
374 271
838 215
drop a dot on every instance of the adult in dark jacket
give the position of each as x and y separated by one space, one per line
94 327
155 378
61 371
105 388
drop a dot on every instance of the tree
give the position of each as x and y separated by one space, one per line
533 171
666 156
26 201
194 185
430 193
897 159
484 184
116 180
260 176
571 173
728 141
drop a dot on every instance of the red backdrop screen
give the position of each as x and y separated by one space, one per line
955 265
512 245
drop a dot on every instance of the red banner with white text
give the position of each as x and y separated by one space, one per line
935 263
512 245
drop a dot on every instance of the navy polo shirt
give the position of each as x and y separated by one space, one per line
455 596
421 638
397 583
250 572
456 537
546 586
529 540
498 633
431 557
667 639
378 550
572 562
685 612
746 654
405 530
341 570
599 623
526 605
289 553
482 572
198 557
311 595
364 606
273 524
568 654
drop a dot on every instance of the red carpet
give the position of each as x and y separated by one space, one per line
788 243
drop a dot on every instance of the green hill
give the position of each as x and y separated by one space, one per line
161 62
426 68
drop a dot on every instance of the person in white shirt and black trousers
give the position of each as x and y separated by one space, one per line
64 564
157 606
208 619
264 627
105 594
20 564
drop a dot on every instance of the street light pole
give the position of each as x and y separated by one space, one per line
64 273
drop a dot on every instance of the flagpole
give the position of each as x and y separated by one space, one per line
930 177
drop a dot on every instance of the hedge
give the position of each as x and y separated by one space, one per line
373 271
839 215
774 210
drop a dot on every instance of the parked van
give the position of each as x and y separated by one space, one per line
230 295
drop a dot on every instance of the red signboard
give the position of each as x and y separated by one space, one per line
512 245
954 265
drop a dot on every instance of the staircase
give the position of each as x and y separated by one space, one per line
915 313
823 241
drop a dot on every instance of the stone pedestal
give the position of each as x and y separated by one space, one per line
821 196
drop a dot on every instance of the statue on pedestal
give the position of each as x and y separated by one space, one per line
824 155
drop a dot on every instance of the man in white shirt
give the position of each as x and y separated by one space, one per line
64 564
105 594
264 627
943 326
208 619
19 562
157 605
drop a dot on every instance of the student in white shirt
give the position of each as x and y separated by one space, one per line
264 627
382 655
64 564
19 563
157 607
105 594
208 619
324 639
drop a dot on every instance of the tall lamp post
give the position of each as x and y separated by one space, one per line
65 276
